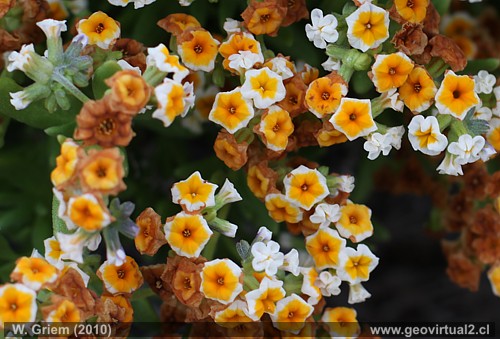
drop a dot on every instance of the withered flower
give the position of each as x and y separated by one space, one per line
463 271
493 185
102 171
448 50
152 276
297 10
150 237
264 17
294 101
129 92
183 276
98 123
132 52
5 5
177 23
172 315
411 39
459 212
305 131
485 231
116 308
227 149
328 135
431 21
261 179
475 178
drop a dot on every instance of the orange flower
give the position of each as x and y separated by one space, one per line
291 313
194 193
341 322
177 23
328 135
187 234
63 310
120 307
102 171
150 236
231 110
309 74
17 304
324 246
100 29
261 179
88 212
456 95
34 272
355 223
227 149
220 280
281 209
391 71
412 10
305 187
354 118
368 27
66 164
129 91
418 91
264 17
324 94
198 49
274 128
125 278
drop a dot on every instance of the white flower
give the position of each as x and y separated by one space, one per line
325 214
484 82
280 66
227 194
243 61
20 60
496 110
254 298
232 26
395 134
328 284
323 29
331 64
263 86
425 136
170 105
390 99
467 148
291 262
346 183
487 152
142 3
267 257
160 57
126 66
357 294
263 235
52 28
308 285
377 143
483 113
62 209
122 3
450 166
185 3
19 100
72 244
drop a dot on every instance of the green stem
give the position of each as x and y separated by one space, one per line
209 250
346 72
69 86
436 67
444 120
143 293
153 76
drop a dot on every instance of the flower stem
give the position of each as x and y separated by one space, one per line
69 86
209 250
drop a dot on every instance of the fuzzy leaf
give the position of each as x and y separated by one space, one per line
243 249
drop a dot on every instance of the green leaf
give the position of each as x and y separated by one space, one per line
4 123
67 130
102 73
474 66
58 225
34 115
6 254
442 6
15 218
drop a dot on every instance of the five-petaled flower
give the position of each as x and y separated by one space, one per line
425 135
174 99
17 304
413 11
291 313
194 193
391 71
122 279
323 28
231 110
368 27
264 299
324 94
263 86
187 234
355 223
100 29
354 118
220 280
275 127
418 91
198 49
456 96
305 187
324 246
34 272
341 322
355 265
281 208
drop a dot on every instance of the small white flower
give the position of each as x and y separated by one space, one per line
263 235
390 99
483 113
484 82
346 183
291 262
243 61
121 3
487 152
19 100
323 29
325 214
450 166
331 64
126 66
72 244
185 3
496 110
267 257
377 143
52 28
467 148
357 294
232 26
161 58
395 134
425 136
227 194
328 284
309 287
280 66
20 60
254 297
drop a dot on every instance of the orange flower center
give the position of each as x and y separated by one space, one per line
290 314
232 110
417 87
368 26
13 306
198 49
304 187
325 96
352 117
265 18
276 128
326 248
106 126
99 28
410 4
392 71
186 233
220 281
121 274
353 219
456 94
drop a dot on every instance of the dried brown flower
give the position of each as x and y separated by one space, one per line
297 10
463 271
132 52
475 179
150 237
5 5
152 276
448 50
177 23
129 92
411 39
264 17
294 101
261 179
459 212
227 149
431 21
98 123
493 185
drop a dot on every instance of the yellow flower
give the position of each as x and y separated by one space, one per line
324 246
17 304
323 95
66 163
102 171
354 118
174 99
194 193
125 278
305 187
368 27
34 272
233 315
220 280
57 10
66 311
53 250
456 95
265 297
355 223
309 287
160 57
355 265
418 91
341 322
100 29
494 277
264 17
391 71
231 110
291 313
264 87
198 49
281 209
275 127
187 234
493 135
87 212
412 10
